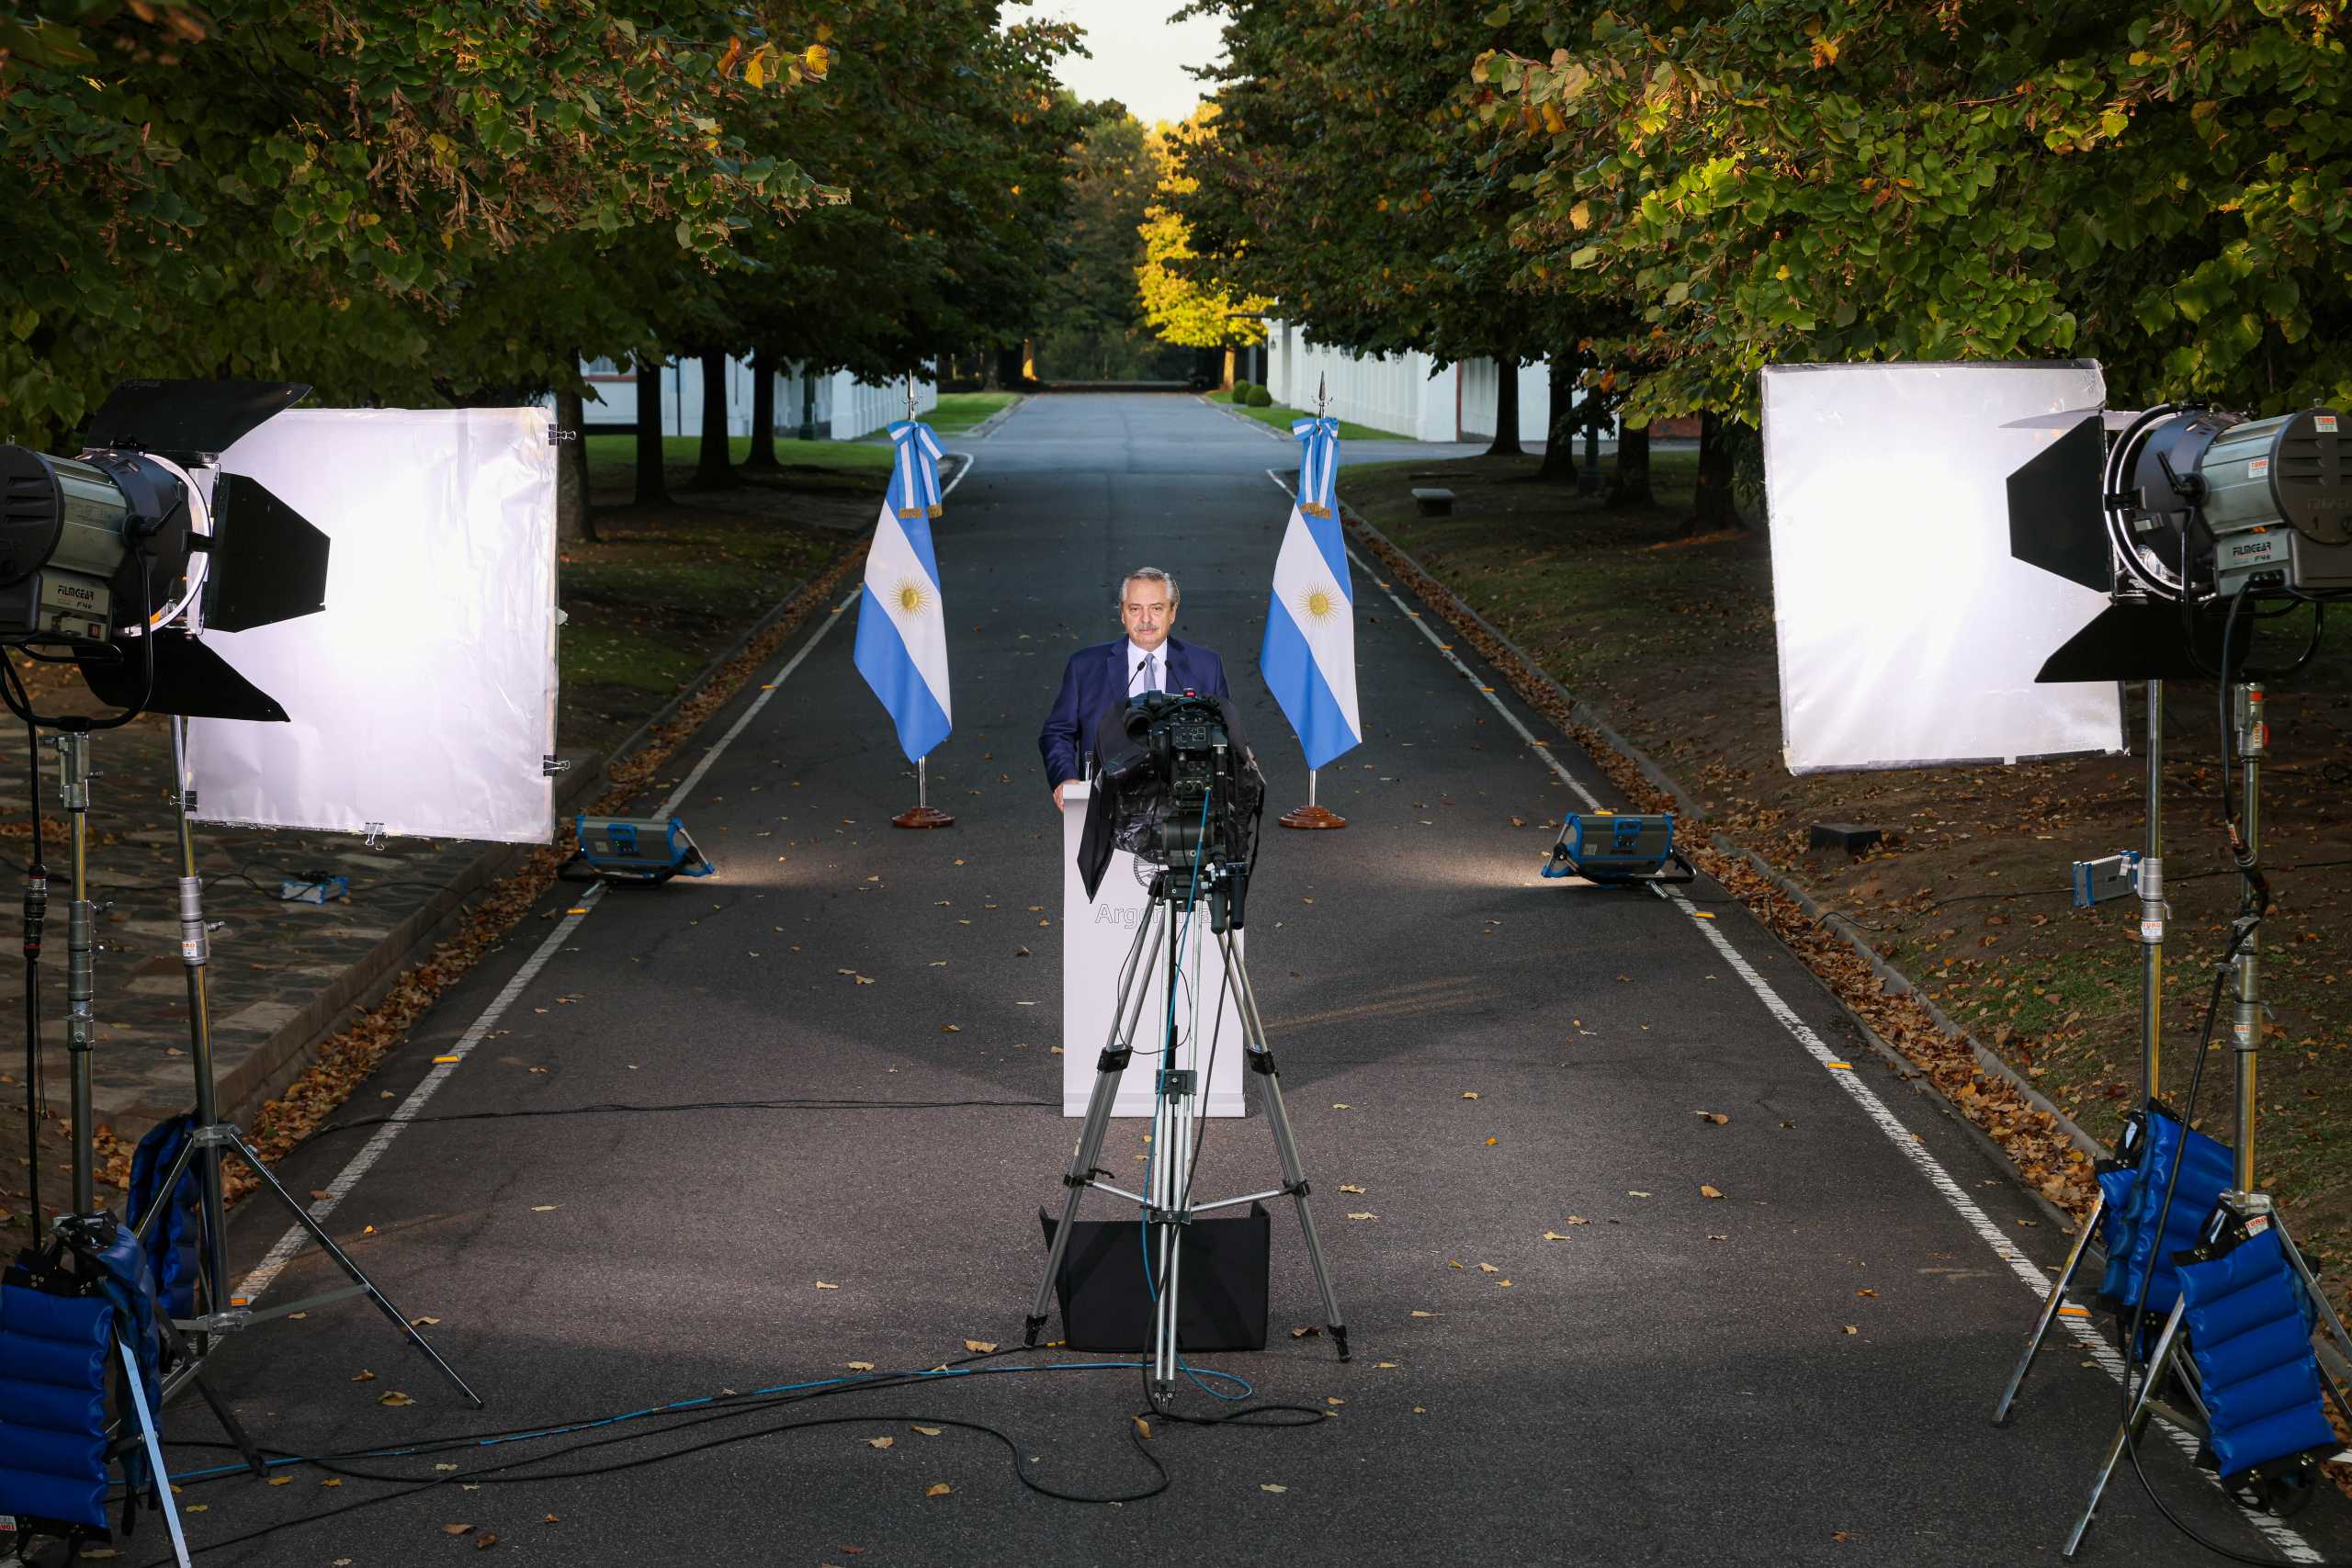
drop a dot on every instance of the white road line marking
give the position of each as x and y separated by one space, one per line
2289 1541
274 1263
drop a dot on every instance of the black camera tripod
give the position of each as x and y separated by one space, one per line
1180 896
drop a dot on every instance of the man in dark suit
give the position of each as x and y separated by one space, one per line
1099 680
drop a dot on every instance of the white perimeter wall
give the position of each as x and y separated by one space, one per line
844 408
1398 392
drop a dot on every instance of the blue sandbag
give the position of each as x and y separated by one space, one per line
2251 1341
54 1364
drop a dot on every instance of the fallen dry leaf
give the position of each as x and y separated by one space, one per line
281 1480
1707 1191
1270 1486
928 1431
365 1376
396 1398
1853 1328
1489 1269
1492 1141
1872 1294
1469 1094
485 1540
1349 1186
1554 1235
861 1366
545 1208
938 1489
1364 1214
332 1480
1143 1427
1418 1313
445 1467
457 1529
1717 1117
881 1442
423 1322
1309 1332
978 1347
822 1286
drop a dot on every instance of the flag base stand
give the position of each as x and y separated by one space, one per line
1311 814
923 813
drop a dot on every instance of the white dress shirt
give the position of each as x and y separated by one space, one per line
1136 656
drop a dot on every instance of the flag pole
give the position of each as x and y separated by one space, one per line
1311 816
923 813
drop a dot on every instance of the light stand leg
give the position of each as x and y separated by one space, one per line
1116 1051
2050 1306
2166 1342
81 1023
1262 1061
229 1135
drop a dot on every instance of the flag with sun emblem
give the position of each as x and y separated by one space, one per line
1309 655
902 630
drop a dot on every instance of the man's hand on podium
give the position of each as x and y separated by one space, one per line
1057 793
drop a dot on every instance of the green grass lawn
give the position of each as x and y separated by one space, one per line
959 412
1281 417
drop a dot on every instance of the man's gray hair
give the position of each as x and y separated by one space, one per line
1149 574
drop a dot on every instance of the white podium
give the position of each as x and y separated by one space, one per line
1096 934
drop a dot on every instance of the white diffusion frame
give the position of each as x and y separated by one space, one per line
1909 636
422 697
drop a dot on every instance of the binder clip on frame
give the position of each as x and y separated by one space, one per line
636 850
1618 850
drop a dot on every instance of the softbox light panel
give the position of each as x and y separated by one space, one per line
421 701
1909 635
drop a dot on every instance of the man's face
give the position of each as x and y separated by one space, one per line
1144 610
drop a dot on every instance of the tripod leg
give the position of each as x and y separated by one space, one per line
1262 1061
2050 1309
1108 1070
343 1260
2166 1342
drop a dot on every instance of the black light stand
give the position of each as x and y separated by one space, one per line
211 1137
2153 910
2244 1210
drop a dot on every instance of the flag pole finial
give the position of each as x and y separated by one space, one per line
1321 403
910 395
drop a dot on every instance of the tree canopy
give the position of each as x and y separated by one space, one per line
2164 186
420 203
1177 304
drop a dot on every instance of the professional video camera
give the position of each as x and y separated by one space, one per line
1183 791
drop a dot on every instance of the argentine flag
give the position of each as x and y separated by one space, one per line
902 630
1310 656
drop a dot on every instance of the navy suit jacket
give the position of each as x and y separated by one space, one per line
1095 683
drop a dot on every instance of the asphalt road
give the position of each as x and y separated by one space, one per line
1797 1370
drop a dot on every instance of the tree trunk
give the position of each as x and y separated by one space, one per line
1506 442
763 455
1559 439
573 526
1629 489
712 468
1713 506
652 486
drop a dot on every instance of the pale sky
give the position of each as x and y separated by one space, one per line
1139 54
